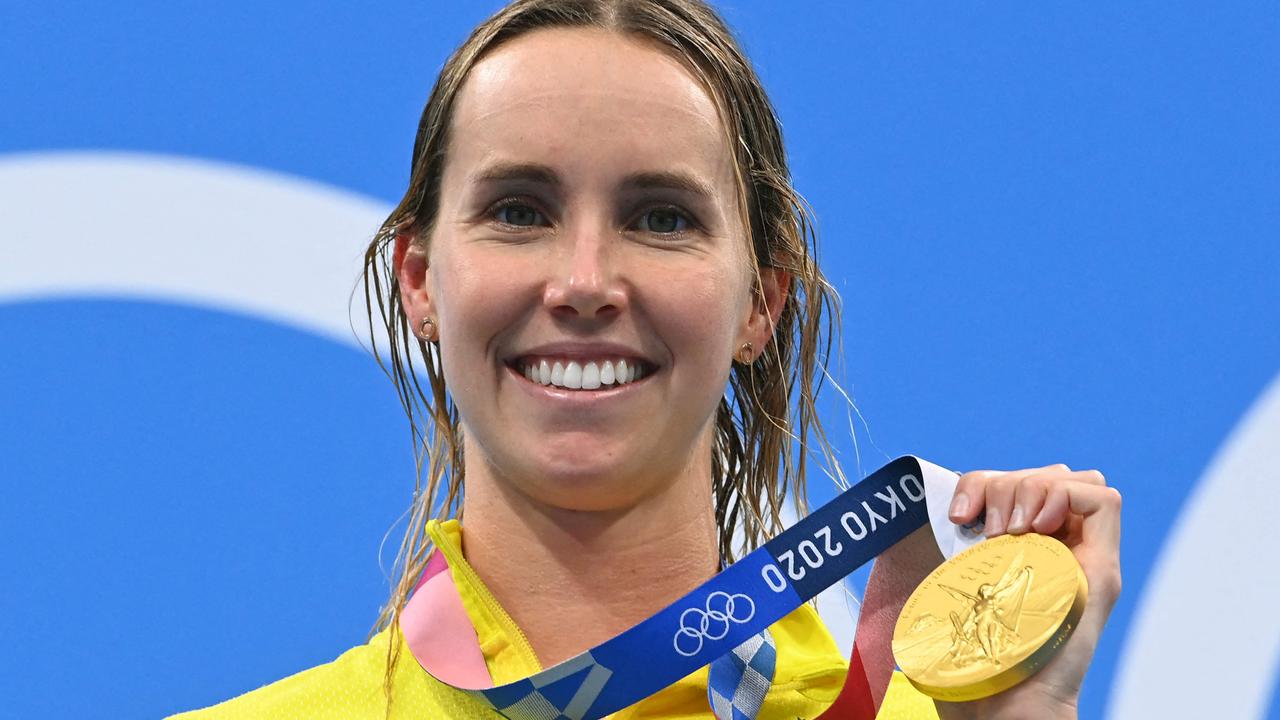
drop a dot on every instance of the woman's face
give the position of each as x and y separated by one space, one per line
587 270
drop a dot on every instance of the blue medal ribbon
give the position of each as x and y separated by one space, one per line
726 618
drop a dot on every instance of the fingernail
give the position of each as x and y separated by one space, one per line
1015 520
993 522
959 505
1036 519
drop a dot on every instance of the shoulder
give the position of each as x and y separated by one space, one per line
349 687
344 687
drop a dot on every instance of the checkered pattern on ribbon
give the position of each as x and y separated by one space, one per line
738 680
566 692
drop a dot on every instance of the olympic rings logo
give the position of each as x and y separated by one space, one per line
712 623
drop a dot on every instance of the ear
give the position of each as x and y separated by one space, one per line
775 286
410 266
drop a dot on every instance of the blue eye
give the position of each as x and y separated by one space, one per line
664 221
518 214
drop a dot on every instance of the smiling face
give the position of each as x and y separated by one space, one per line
587 270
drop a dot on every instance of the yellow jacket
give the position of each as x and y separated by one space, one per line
809 672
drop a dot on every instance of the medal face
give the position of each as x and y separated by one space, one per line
989 617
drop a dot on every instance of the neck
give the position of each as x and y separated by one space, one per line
572 579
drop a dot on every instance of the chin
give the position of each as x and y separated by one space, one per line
587 488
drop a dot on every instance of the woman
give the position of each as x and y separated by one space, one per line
599 237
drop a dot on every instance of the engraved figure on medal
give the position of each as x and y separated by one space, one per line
989 624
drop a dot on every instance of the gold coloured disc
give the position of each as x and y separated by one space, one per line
990 617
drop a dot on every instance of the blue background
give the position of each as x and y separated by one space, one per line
1053 227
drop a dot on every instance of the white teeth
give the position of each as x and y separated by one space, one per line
590 376
573 376
585 376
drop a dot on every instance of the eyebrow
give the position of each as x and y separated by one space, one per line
543 175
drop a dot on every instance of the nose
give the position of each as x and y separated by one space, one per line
585 280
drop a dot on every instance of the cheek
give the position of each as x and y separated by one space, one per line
476 297
699 313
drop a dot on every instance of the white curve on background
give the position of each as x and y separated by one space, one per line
178 229
1206 620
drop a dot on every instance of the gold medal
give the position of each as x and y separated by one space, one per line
990 617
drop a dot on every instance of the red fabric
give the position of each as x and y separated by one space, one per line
896 573
855 701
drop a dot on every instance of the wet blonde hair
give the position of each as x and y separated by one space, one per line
761 439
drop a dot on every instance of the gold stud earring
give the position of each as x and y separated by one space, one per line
746 353
426 333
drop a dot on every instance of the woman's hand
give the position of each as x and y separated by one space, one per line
1080 510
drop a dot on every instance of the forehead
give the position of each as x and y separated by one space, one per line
590 103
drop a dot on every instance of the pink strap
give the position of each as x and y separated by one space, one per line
440 633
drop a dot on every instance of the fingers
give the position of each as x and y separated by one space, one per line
1001 490
1034 508
1090 477
1100 507
1098 548
1020 501
1053 511
967 502
991 494
1028 501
